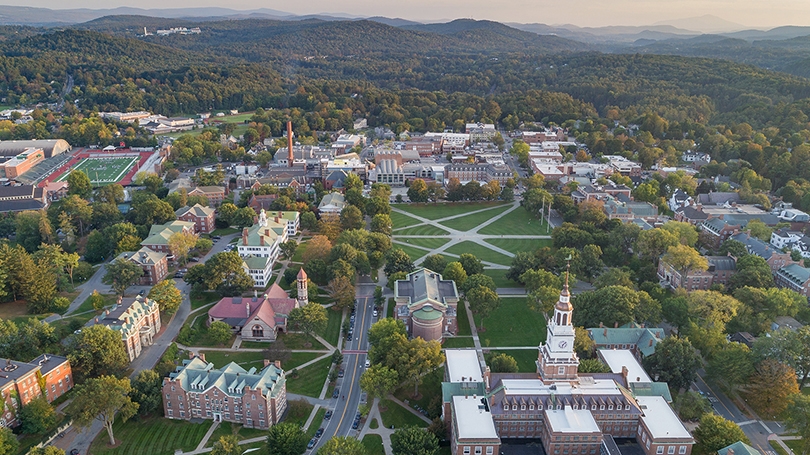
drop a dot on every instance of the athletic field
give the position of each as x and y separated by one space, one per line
103 171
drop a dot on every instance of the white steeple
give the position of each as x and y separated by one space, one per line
262 218
557 359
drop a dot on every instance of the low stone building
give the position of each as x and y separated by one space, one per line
427 304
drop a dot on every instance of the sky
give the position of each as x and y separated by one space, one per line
592 13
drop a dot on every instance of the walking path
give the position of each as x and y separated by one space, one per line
384 433
458 236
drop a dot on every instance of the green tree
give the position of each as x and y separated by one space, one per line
226 212
483 301
757 228
478 280
503 363
351 218
414 441
342 291
220 332
435 262
168 297
592 366
288 248
342 445
382 223
614 276
309 319
691 405
789 347
224 272
102 398
309 221
734 364
397 260
797 419
378 381
455 271
418 191
472 265
180 243
752 271
674 361
714 432
37 416
121 274
96 351
654 243
97 300
111 194
8 442
146 391
685 232
685 259
79 184
47 450
583 343
243 217
286 438
615 305
381 337
226 445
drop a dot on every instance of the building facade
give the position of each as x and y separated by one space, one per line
137 319
202 217
427 304
155 265
159 234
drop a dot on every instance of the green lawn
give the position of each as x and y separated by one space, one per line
513 323
155 436
424 229
310 379
200 299
515 246
317 422
373 444
298 411
795 445
332 333
466 223
778 448
400 220
481 252
430 390
437 211
300 341
429 243
246 359
525 358
458 342
398 416
413 252
517 222
87 305
463 321
241 433
103 171
299 253
198 336
499 277
224 231
17 311
448 259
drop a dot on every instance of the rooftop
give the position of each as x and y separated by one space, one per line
660 419
463 365
473 418
618 358
739 448
425 285
571 420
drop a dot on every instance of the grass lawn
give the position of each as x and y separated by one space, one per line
400 220
458 342
317 422
513 323
390 310
398 416
413 252
310 379
515 246
463 321
87 305
517 222
373 444
499 277
200 299
481 252
778 449
199 335
103 171
248 359
298 411
430 388
155 436
224 231
332 333
424 229
17 311
299 252
525 358
241 433
437 211
431 243
795 445
300 341
466 223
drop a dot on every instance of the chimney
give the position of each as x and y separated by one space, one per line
266 362
650 342
604 332
601 325
267 232
190 355
201 356
244 236
261 240
625 371
616 325
247 309
277 363
290 157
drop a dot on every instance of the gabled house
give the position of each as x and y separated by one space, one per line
680 199
332 204
691 214
775 258
214 194
794 277
784 238
154 264
715 231
202 217
640 340
137 319
159 234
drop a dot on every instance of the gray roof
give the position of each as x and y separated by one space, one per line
389 167
795 273
231 379
743 218
755 245
722 262
426 285
51 147
718 198
692 213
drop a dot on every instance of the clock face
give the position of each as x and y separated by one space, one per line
562 344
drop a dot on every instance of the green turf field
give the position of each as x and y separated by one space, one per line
481 252
466 223
517 222
103 171
517 245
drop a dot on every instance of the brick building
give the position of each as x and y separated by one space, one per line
202 217
137 319
427 304
21 382
159 234
155 265
56 373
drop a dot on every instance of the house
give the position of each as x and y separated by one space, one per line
720 270
739 448
715 231
154 264
640 340
691 214
259 318
427 304
742 337
332 204
775 258
794 216
56 375
55 190
719 198
198 390
159 234
680 199
784 238
19 385
259 202
22 197
600 192
794 277
263 238
696 157
202 217
138 321
787 323
214 194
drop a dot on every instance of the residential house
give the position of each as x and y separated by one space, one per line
742 337
786 323
214 194
55 190
794 216
154 264
251 398
259 202
794 277
785 238
715 231
159 234
720 270
691 214
775 258
202 217
680 199
719 198
332 204
137 319
640 340
427 304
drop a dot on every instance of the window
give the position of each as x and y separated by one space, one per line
648 444
671 450
682 450
659 450
466 450
490 450
170 412
561 370
478 450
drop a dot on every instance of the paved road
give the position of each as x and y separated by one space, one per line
353 363
87 288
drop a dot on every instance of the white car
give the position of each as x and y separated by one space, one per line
374 313
368 363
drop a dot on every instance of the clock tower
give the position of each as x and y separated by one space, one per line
557 360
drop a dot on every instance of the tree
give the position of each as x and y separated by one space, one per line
584 345
382 335
674 361
397 260
734 364
47 450
168 297
180 243
111 194
418 191
220 332
435 262
243 217
685 232
146 391
96 351
714 432
37 416
351 218
483 301
757 228
685 259
615 305
103 398
378 381
521 263
288 248
413 358
224 273
382 223
79 184
691 405
342 445
478 280
342 291
789 347
614 276
286 438
455 271
226 445
414 441
655 242
734 248
770 386
121 274
503 363
97 300
226 212
318 247
797 419
309 221
471 264
753 271
8 442
309 319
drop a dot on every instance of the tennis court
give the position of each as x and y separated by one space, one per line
103 170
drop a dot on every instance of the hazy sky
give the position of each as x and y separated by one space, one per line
752 13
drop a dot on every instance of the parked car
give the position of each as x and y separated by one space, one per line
319 433
143 292
195 259
368 363
355 424
328 415
375 313
341 373
312 443
336 393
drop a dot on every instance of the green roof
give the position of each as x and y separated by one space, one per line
289 215
739 448
639 336
651 389
256 232
255 262
455 389
427 313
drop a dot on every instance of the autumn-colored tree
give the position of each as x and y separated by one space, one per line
770 386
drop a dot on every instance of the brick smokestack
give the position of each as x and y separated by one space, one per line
290 158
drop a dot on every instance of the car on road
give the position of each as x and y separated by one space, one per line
74 452
355 424
328 415
143 292
319 433
341 373
349 338
195 259
368 363
374 313
216 237
312 443
336 393
179 275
